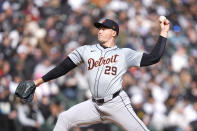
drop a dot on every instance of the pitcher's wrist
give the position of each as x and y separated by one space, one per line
38 82
164 34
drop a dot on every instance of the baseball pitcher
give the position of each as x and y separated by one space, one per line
105 64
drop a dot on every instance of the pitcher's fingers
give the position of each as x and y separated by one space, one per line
166 22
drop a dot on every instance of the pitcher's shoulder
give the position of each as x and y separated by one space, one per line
90 46
86 47
128 50
125 50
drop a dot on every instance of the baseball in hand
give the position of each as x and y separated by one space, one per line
162 18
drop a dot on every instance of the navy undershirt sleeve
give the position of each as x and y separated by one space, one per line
156 53
65 66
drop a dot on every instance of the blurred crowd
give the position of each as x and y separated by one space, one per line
35 35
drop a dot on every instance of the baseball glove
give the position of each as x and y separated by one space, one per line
25 90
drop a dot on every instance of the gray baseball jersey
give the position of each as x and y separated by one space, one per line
105 66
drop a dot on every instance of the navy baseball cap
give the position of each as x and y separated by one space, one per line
107 23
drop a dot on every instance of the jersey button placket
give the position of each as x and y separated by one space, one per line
100 71
97 79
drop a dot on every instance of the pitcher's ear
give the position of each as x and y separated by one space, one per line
114 33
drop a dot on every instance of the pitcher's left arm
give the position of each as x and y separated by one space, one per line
155 55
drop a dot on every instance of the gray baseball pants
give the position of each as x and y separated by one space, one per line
117 110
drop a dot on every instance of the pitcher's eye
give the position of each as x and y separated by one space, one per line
102 28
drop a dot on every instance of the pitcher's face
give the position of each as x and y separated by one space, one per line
105 34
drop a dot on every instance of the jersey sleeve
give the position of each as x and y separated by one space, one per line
132 57
77 55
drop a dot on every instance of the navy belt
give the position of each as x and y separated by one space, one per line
101 101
